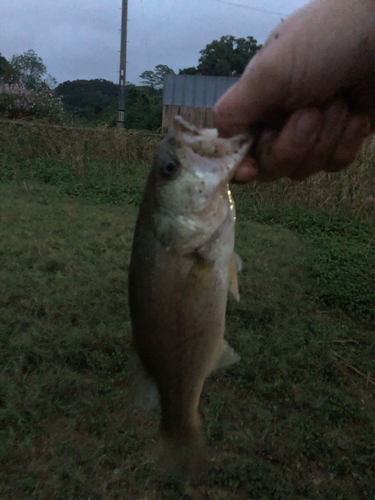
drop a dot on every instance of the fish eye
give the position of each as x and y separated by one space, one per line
169 168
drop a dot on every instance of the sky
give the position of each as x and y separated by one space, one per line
80 39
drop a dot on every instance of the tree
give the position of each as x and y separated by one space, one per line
96 101
32 71
189 71
154 79
89 99
144 108
7 73
225 57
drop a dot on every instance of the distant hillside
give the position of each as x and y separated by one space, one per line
97 100
87 98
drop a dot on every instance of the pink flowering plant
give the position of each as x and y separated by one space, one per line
18 102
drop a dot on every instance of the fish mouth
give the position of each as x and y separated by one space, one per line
208 152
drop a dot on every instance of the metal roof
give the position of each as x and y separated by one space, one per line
195 90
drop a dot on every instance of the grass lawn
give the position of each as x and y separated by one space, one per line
295 419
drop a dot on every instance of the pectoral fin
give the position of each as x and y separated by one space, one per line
198 280
234 267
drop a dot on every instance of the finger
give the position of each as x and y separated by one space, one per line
269 167
356 131
335 121
228 119
246 171
279 154
247 100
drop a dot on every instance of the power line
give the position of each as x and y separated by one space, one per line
259 9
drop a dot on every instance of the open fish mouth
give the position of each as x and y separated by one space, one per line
208 152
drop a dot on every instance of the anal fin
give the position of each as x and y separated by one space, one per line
228 356
143 389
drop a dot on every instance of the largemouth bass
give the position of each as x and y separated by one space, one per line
182 266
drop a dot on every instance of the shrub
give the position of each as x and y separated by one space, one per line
18 102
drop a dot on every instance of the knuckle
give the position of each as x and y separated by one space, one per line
344 156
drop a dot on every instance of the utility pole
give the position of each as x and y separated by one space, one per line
122 79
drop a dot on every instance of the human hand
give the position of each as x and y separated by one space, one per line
309 93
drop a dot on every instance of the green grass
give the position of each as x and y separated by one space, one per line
342 260
93 180
295 419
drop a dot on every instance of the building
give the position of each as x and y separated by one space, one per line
192 97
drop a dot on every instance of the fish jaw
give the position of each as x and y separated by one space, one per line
195 202
205 154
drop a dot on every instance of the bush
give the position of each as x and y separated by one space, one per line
18 102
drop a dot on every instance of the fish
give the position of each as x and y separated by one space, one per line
182 266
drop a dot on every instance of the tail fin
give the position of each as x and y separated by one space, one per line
181 459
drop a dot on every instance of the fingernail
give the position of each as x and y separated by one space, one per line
308 125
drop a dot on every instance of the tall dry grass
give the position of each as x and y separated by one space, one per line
117 146
351 191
